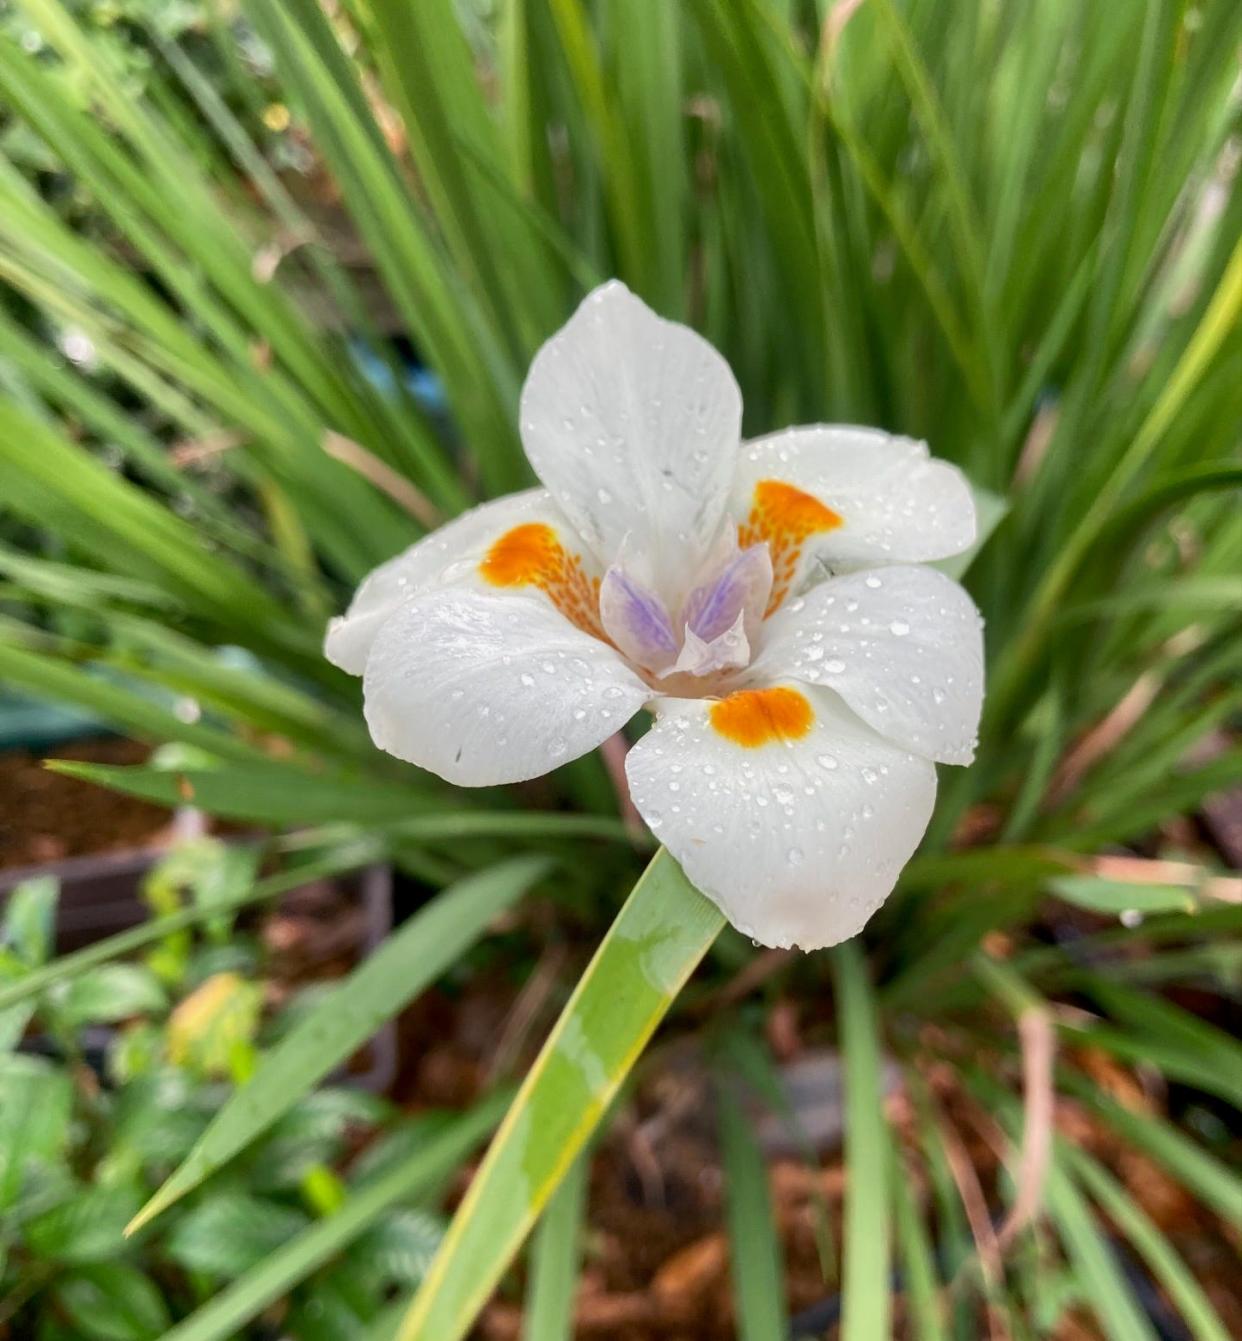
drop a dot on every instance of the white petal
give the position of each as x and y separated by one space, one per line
486 688
633 424
444 556
902 646
797 841
896 504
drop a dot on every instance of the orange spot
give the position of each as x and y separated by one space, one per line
531 555
783 517
753 717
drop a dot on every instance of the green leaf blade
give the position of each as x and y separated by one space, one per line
405 964
661 933
865 1288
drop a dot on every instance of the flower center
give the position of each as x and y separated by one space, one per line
712 633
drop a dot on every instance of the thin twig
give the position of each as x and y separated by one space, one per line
613 752
1038 1041
754 973
530 1001
1145 871
383 476
974 1203
1117 723
190 451
266 261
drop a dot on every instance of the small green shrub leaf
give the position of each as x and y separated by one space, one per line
408 961
113 1302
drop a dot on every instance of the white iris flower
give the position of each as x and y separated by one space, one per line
762 599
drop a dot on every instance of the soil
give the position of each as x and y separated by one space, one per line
46 817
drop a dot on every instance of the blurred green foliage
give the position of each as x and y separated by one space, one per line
122 1069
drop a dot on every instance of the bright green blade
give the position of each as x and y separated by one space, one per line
1165 1263
348 856
1104 1286
398 971
922 1284
754 1249
229 1311
664 929
262 792
554 1255
868 1305
1211 1180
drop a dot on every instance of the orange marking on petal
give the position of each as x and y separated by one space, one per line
783 517
531 555
754 717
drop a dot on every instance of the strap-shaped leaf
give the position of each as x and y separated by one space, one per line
754 1248
555 1251
406 963
345 856
664 929
867 1308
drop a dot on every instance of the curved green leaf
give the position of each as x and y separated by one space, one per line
339 1024
1165 1263
754 1248
554 1257
348 857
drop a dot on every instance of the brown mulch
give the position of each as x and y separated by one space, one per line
45 817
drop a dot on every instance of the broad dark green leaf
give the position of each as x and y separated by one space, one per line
228 1233
431 1161
112 1302
89 1227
